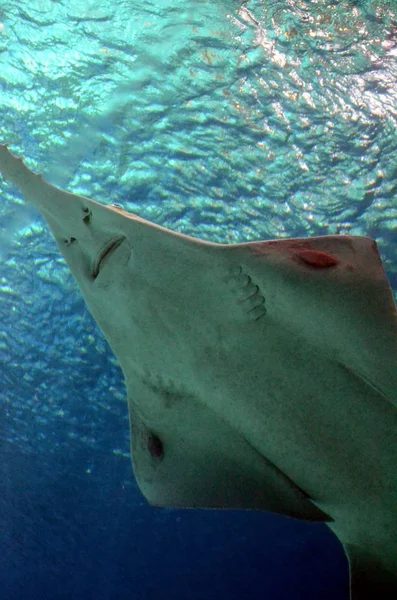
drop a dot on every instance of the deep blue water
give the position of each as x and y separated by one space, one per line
228 121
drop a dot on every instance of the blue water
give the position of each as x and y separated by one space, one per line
224 120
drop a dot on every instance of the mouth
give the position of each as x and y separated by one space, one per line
105 252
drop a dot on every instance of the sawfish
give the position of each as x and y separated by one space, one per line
259 375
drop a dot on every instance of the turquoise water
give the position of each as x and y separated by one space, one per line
229 121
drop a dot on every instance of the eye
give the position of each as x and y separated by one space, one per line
87 215
69 241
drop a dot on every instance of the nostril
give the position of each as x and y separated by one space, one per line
87 215
69 241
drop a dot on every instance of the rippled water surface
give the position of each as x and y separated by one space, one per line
230 121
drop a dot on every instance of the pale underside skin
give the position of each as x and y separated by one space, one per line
259 375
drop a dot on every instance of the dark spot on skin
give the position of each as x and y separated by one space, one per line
155 446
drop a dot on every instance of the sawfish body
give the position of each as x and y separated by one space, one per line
260 375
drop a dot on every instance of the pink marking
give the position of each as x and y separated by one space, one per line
316 258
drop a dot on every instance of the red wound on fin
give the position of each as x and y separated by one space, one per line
316 258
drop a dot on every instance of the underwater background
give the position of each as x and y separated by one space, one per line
226 120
